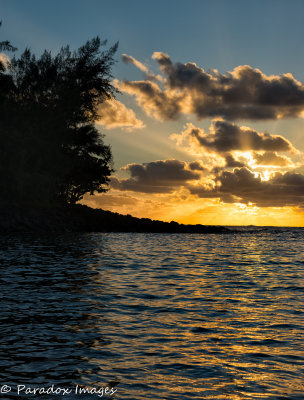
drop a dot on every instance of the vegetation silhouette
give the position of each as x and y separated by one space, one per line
51 152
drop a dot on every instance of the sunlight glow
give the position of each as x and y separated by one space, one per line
182 208
265 175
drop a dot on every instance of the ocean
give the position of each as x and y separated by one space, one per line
153 316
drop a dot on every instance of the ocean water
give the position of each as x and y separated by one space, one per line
153 316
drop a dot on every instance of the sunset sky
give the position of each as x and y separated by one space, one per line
208 126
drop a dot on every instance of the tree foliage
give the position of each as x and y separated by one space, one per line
50 151
5 45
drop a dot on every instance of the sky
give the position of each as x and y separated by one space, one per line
208 125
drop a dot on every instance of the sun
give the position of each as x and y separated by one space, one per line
265 175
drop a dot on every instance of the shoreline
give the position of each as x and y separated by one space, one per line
81 218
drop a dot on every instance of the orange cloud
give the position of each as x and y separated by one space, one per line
4 60
114 114
271 158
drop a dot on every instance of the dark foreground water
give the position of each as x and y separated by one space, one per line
153 316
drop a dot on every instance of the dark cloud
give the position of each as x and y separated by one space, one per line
155 177
224 136
242 185
152 99
231 162
196 166
244 93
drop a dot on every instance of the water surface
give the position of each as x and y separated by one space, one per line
160 316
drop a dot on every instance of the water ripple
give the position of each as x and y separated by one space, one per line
164 316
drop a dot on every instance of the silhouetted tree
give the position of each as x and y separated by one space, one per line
5 45
50 151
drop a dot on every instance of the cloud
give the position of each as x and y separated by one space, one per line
162 176
270 158
152 99
231 162
225 136
148 75
197 166
244 93
131 60
245 186
114 114
238 186
4 60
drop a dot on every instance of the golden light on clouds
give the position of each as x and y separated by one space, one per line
228 170
114 114
265 175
